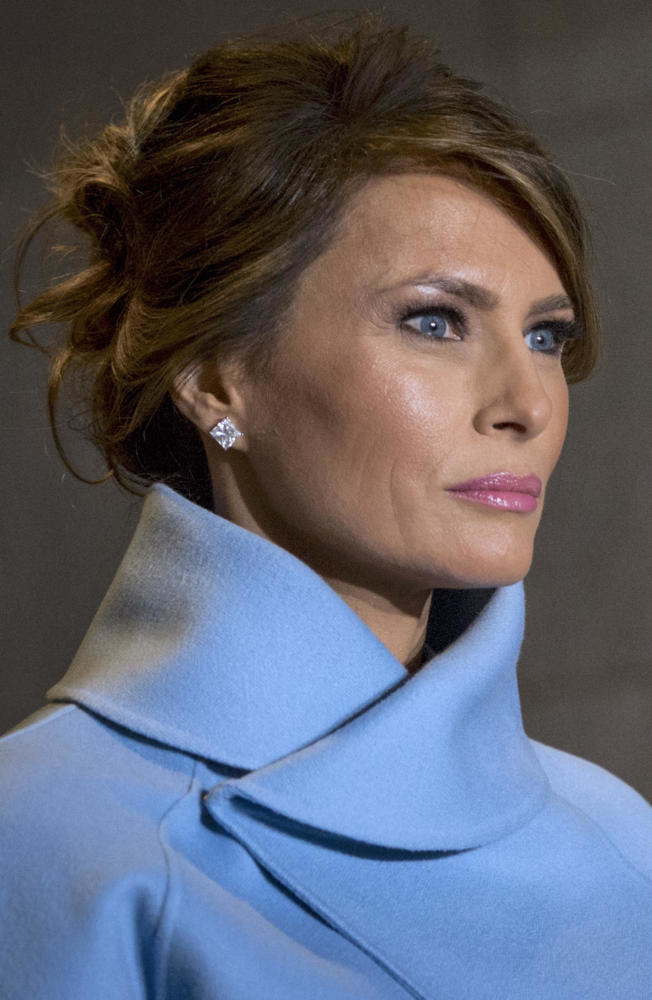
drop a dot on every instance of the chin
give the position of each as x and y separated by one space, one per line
484 583
484 572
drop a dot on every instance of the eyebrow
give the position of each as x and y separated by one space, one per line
477 296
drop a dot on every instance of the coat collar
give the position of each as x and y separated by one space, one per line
219 643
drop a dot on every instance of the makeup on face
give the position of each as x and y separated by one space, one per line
451 298
503 490
419 403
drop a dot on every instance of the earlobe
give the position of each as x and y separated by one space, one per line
212 403
225 433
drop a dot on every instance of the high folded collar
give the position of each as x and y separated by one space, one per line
222 644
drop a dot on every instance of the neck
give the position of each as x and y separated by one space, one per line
401 629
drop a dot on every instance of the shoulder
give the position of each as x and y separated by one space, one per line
64 757
622 814
83 869
84 790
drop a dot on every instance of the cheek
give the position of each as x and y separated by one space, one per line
401 432
357 436
427 415
303 434
378 417
560 405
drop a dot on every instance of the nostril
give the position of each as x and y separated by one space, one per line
510 423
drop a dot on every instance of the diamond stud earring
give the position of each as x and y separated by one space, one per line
225 433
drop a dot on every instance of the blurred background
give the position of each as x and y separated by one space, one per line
580 74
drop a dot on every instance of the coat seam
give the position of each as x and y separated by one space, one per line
166 852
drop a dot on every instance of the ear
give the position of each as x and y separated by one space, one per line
206 394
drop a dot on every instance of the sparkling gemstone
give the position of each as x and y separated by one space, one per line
225 433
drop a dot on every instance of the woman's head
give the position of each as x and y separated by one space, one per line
207 208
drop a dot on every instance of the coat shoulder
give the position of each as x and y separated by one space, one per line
83 876
65 759
623 815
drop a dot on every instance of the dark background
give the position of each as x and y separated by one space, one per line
580 73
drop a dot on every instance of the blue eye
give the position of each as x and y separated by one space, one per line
433 324
548 338
544 340
447 324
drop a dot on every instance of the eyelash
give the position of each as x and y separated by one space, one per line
563 330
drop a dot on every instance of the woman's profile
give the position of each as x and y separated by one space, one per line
333 301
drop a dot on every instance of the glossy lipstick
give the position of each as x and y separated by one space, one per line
503 490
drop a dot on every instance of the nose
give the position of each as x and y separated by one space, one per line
513 393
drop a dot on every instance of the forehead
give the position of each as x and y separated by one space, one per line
398 226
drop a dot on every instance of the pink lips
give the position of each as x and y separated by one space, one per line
503 490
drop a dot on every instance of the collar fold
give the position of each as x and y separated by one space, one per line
219 643
442 762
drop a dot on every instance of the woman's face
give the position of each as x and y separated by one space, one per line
419 353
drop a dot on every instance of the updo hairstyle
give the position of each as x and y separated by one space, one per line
201 209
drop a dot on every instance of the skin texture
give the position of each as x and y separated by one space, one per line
350 445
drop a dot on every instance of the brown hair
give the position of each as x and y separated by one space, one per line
223 182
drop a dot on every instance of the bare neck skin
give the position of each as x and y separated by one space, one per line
403 632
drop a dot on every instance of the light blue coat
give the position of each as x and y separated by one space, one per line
237 793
